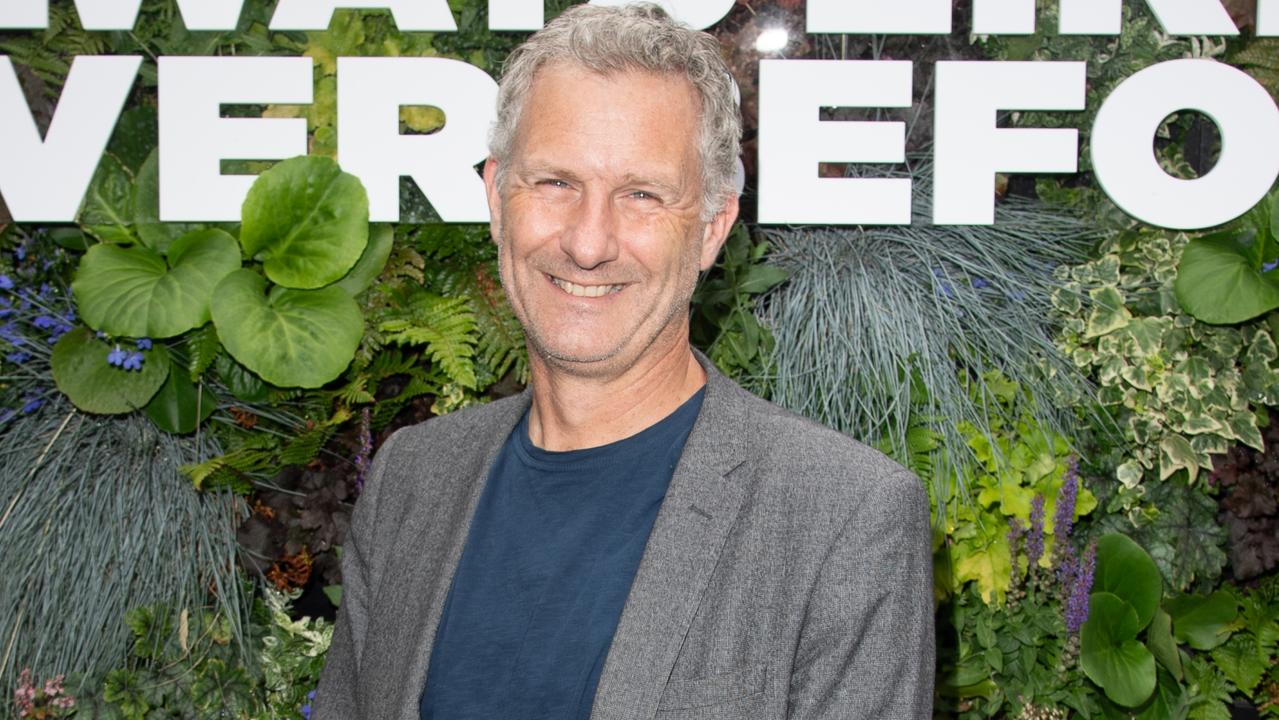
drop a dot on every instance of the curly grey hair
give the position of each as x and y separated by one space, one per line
609 40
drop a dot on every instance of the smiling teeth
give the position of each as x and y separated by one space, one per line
584 290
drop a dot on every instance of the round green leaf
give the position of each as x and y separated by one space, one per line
1125 569
133 291
371 262
306 220
180 406
1217 283
291 338
1110 654
1202 622
81 371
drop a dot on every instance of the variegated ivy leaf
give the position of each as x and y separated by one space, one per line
1108 312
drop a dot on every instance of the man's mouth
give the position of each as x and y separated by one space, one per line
589 291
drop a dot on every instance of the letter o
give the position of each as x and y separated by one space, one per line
1123 137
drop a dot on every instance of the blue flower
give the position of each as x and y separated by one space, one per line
1270 266
17 358
9 332
133 362
32 405
144 343
20 253
979 283
44 322
5 283
117 357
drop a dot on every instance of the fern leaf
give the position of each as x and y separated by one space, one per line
203 346
447 329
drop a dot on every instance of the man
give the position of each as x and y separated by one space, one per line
635 536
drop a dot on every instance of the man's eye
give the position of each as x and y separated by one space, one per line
553 182
644 195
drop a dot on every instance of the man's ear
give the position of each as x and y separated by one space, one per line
716 231
494 198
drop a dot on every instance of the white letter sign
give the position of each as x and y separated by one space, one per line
45 180
793 140
1123 135
970 149
195 138
410 15
370 94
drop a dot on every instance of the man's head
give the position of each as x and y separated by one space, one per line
639 37
610 188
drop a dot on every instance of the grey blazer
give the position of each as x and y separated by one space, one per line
788 573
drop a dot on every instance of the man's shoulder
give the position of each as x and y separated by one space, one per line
792 450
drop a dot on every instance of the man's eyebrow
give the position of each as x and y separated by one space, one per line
646 180
540 168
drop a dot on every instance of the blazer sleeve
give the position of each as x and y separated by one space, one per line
867 646
337 697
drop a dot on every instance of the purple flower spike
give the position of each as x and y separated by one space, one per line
6 283
1035 538
1064 516
133 362
1077 603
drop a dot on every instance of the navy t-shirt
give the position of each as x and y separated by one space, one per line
548 563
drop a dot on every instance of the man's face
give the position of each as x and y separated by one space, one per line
598 217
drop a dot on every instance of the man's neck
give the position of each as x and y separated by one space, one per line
571 412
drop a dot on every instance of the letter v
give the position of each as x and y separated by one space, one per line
45 180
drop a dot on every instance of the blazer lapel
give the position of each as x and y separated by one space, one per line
700 508
418 577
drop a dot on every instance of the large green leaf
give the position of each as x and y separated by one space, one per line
1126 570
134 292
1162 646
179 406
81 371
307 221
1203 622
1110 654
371 262
1218 283
291 338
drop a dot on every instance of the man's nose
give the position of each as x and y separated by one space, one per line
590 238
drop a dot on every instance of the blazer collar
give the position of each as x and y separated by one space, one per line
700 507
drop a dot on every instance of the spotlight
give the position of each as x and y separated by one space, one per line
772 40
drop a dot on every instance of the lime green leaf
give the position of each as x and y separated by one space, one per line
1126 570
1203 622
81 371
289 337
1217 283
307 221
179 407
133 292
371 262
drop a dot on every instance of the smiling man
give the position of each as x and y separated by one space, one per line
634 536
